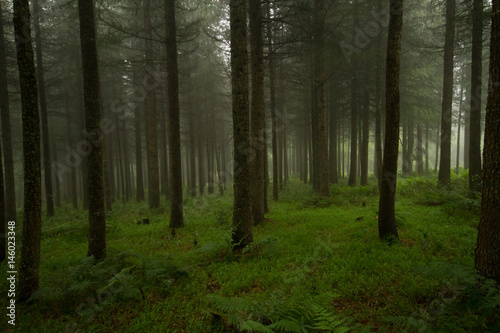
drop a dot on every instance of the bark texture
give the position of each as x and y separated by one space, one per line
32 221
93 115
174 135
386 216
445 157
488 241
242 209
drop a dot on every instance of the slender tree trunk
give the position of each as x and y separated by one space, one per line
258 125
387 219
72 177
138 156
426 147
378 108
49 194
366 139
319 75
57 188
242 209
93 115
174 135
32 226
272 90
475 172
353 170
334 179
487 260
411 143
192 157
436 161
10 187
151 121
445 157
420 159
457 171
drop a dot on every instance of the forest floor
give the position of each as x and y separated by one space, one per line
316 265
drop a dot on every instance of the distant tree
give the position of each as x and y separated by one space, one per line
488 241
139 195
446 116
474 147
366 138
353 172
151 121
32 226
386 216
49 195
93 115
174 135
10 200
257 112
242 209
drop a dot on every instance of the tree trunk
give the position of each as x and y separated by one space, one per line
487 259
258 119
32 226
334 179
426 147
242 210
366 139
151 121
411 143
420 159
445 157
49 194
378 108
93 115
10 187
3 223
387 219
138 155
57 188
72 177
272 91
323 170
174 135
474 148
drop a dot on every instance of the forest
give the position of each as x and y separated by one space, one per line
250 166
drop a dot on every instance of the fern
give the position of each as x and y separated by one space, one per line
265 244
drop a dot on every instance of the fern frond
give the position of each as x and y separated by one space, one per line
253 326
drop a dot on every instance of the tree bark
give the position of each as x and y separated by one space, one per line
386 218
487 260
420 158
174 135
445 157
242 210
258 125
138 155
10 186
151 121
93 115
32 226
49 194
3 223
366 138
474 148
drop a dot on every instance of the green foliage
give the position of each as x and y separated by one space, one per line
265 245
464 291
305 315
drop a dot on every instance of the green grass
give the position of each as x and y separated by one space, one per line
321 252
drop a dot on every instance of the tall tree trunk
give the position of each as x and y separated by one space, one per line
151 121
475 172
319 75
57 187
459 123
163 152
32 226
174 135
258 119
387 218
138 155
242 209
334 179
445 157
353 171
93 115
366 138
49 194
192 156
272 91
411 142
487 259
426 147
378 108
420 159
72 177
201 163
126 161
436 160
10 186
